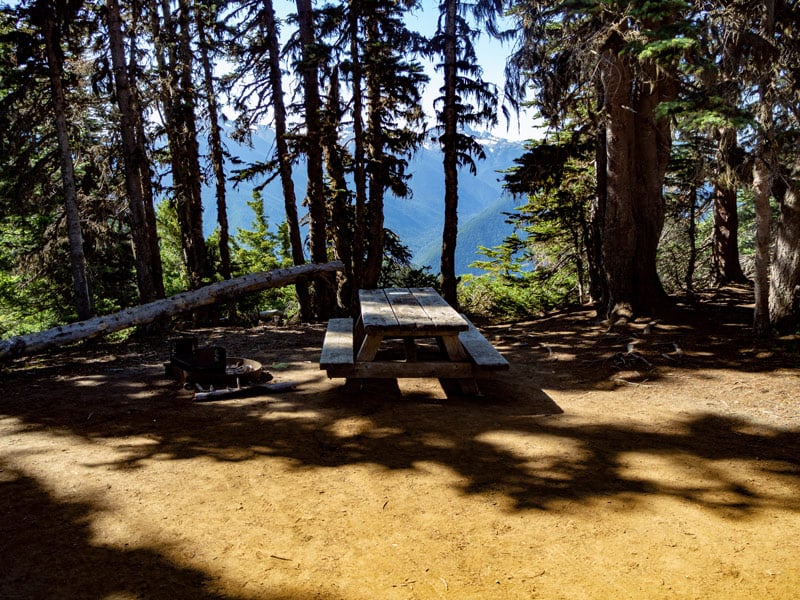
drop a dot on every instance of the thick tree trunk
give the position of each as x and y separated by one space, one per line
762 187
618 237
450 159
149 279
80 277
727 266
784 296
284 156
637 147
323 297
153 311
725 240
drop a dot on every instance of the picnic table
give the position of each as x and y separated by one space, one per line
353 350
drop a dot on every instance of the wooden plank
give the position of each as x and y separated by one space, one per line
376 312
402 370
438 310
453 348
481 350
407 310
337 349
404 311
369 347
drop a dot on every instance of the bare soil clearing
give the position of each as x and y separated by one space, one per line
659 462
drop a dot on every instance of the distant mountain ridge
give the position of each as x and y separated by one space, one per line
418 220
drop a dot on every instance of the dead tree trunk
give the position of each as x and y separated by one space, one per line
152 311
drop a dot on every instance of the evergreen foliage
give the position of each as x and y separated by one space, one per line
662 116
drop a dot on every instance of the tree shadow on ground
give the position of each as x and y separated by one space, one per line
46 552
513 444
573 350
554 460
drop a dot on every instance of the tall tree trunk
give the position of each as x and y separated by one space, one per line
215 142
285 158
762 187
339 205
450 159
149 281
637 149
784 296
80 277
653 146
727 266
376 170
173 50
762 182
191 177
140 157
359 170
725 245
598 288
618 236
323 297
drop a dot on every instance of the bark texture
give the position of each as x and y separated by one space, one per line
146 254
175 61
359 169
284 156
315 198
763 173
376 171
637 149
725 245
784 295
215 144
80 276
153 311
761 189
450 160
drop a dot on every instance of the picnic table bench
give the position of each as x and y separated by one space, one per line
351 350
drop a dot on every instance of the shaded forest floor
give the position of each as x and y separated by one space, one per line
663 462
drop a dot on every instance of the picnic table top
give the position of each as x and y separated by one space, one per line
409 311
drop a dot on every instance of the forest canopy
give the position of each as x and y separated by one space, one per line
669 160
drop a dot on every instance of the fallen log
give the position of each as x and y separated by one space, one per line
152 311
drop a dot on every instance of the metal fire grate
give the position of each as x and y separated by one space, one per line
207 368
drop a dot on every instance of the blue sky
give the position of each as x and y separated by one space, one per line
491 55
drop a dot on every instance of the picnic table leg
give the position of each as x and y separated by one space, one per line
367 351
411 349
369 348
456 353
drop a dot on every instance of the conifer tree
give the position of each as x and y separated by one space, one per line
52 18
136 164
463 84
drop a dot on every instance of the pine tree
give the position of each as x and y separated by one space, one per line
463 84
146 251
259 77
52 20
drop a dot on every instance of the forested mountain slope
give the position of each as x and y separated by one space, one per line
418 220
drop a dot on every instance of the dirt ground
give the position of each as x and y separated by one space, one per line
669 468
